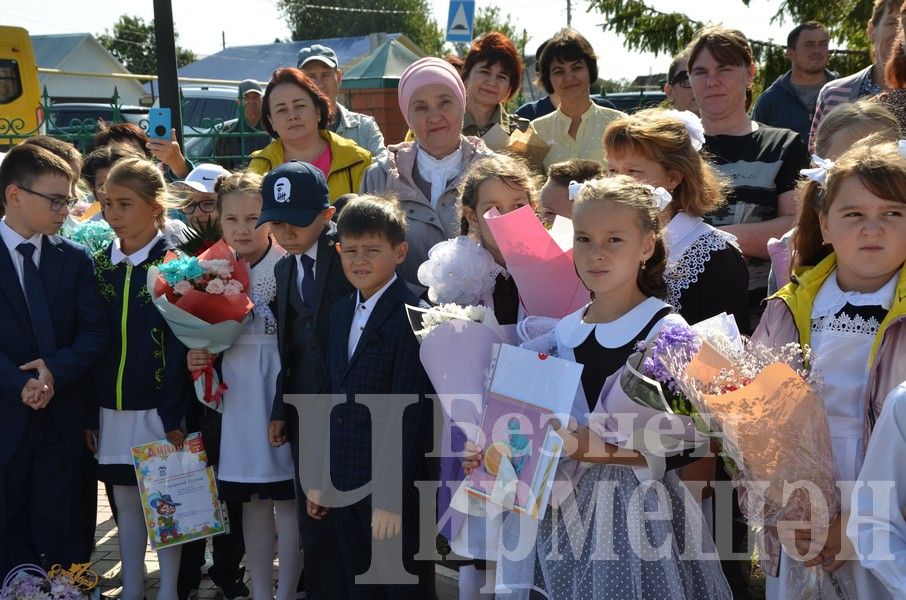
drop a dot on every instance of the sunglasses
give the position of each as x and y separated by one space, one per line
681 79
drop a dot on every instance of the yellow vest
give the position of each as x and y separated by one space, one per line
347 165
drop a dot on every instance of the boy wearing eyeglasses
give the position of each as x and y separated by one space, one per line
53 331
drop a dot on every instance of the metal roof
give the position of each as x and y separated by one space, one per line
50 50
259 62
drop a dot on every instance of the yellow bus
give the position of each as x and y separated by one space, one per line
21 113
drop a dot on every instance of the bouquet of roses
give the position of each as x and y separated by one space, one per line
205 302
761 404
31 582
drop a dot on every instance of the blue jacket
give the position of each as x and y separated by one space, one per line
780 106
385 361
145 364
81 336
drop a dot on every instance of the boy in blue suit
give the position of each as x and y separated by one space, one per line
53 331
372 351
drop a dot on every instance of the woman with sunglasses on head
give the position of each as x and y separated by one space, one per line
678 87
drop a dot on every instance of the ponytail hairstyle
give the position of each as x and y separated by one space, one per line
144 178
664 139
626 191
245 182
859 119
514 172
880 168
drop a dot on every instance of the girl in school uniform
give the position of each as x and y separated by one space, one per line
251 471
139 380
580 551
847 301
506 184
706 273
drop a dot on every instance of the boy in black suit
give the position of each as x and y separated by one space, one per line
372 351
310 280
54 329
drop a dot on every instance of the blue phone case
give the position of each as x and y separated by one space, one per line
159 123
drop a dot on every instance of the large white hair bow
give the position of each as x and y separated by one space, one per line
819 173
662 198
693 124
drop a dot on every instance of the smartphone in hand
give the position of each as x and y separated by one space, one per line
159 123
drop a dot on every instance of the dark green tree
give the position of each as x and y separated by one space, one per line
132 43
317 19
646 29
487 18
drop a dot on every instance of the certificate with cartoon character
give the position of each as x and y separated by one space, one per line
179 492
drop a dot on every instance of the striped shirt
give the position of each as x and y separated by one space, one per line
840 91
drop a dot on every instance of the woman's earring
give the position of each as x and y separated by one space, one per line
643 265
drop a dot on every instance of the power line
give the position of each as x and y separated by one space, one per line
358 10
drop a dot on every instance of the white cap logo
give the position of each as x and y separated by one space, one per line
282 190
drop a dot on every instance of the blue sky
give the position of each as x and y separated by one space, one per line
200 22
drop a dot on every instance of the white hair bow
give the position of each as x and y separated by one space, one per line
819 173
901 146
574 188
693 124
662 198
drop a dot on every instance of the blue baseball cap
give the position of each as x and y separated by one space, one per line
294 193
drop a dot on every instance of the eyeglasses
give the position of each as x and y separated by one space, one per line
208 206
56 203
681 79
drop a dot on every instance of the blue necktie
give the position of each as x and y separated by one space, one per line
37 302
308 280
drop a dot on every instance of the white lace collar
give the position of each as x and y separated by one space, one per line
831 299
136 258
682 231
438 171
573 330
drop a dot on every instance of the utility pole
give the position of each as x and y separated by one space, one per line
223 39
165 49
569 13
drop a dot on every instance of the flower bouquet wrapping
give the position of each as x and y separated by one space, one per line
31 582
205 302
456 351
540 261
761 404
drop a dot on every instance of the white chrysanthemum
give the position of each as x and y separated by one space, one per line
458 271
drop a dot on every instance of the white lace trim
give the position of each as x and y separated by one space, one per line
682 273
264 288
848 325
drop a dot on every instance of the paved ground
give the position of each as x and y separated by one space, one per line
106 563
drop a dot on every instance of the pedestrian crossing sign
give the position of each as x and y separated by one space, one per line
459 22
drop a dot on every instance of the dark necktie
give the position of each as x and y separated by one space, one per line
308 280
37 302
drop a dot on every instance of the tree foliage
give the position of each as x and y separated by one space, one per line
487 19
646 29
411 17
132 42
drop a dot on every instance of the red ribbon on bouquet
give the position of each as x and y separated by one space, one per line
210 395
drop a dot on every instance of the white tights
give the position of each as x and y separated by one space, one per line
133 538
258 529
